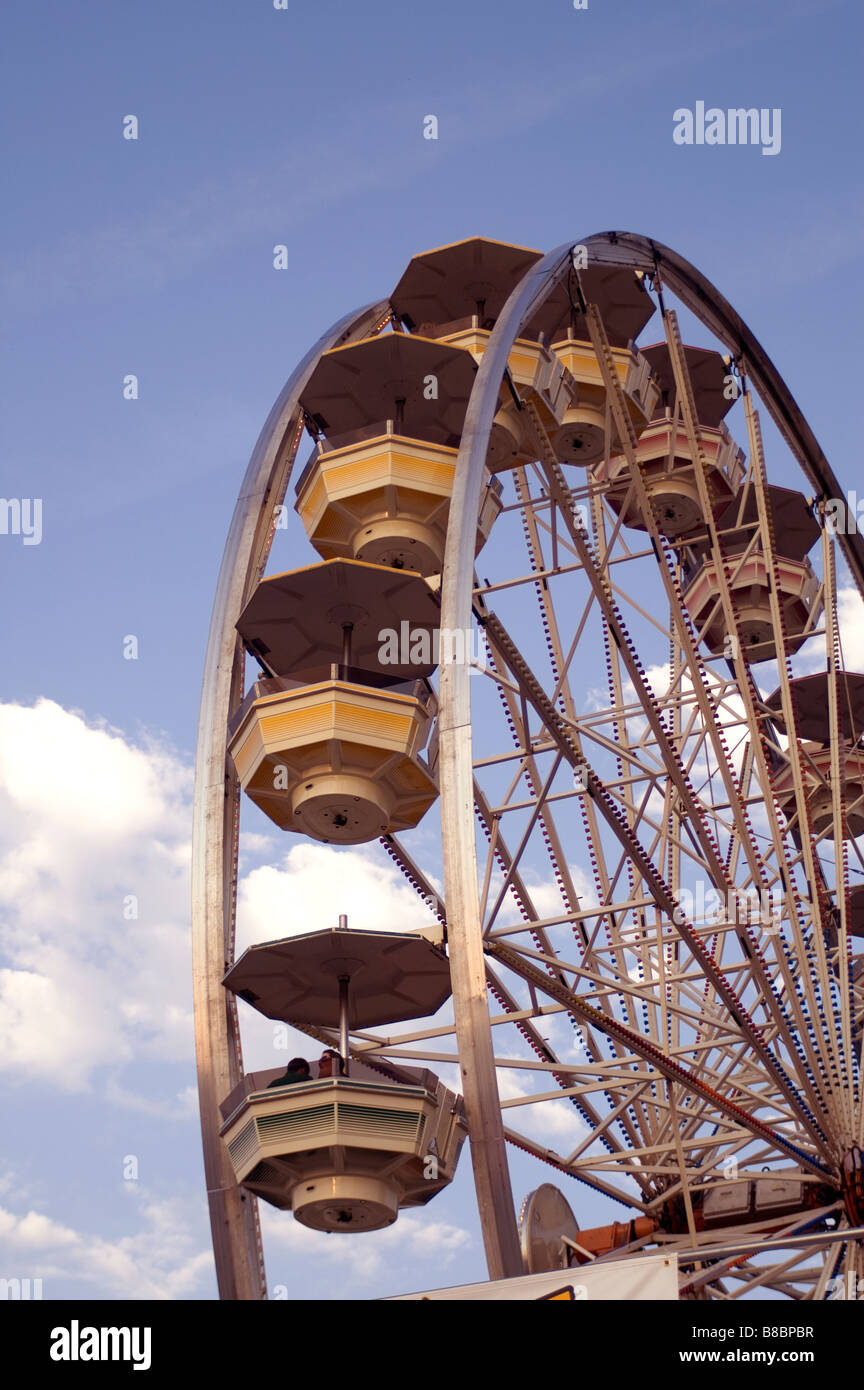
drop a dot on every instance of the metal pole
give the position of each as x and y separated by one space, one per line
758 1247
343 1021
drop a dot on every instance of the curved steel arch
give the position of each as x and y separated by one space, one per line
625 249
234 1214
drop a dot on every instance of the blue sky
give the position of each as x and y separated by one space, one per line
155 257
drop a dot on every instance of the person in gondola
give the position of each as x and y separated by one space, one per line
298 1070
331 1064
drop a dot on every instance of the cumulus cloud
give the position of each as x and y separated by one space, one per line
556 1120
164 1259
315 883
413 1250
94 930
850 615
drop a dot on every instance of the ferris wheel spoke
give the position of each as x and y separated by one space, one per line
536 814
815 978
590 1178
425 889
672 1070
684 632
663 895
525 1027
546 952
538 786
750 1276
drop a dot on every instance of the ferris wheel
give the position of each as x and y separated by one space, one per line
552 600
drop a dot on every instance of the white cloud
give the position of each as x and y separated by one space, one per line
363 1258
811 657
162 1260
89 822
252 843
546 894
315 884
850 614
10 1185
552 1119
181 1106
